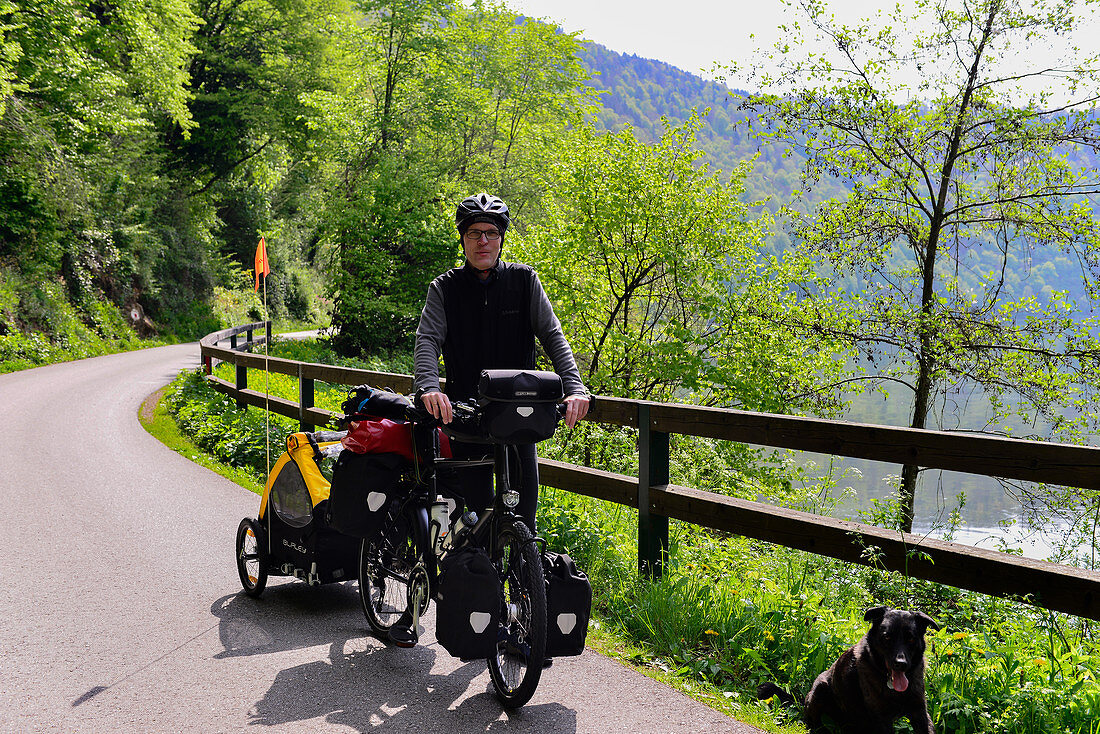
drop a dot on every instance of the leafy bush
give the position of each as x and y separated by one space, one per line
39 326
217 426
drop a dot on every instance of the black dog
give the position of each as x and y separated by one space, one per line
874 683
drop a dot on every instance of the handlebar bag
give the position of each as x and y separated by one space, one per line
519 406
363 487
568 605
468 604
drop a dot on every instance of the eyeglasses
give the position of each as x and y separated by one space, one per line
475 235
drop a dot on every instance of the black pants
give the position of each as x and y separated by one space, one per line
474 485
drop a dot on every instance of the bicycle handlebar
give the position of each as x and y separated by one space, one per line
466 416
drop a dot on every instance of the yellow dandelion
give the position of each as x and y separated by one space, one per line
958 636
710 632
768 635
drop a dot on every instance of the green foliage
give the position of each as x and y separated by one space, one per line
216 425
653 265
449 100
38 326
393 240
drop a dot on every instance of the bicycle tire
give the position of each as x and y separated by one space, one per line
387 562
516 667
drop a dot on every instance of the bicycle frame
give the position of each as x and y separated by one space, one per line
426 463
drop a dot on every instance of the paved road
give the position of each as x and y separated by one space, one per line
121 609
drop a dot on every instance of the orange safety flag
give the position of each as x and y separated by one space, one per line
262 265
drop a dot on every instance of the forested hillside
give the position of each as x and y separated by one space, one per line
640 92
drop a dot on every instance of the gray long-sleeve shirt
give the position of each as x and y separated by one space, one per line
432 333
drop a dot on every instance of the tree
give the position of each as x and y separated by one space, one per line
450 100
652 262
953 178
81 88
248 170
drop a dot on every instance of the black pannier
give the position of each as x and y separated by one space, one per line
468 604
519 406
363 486
568 605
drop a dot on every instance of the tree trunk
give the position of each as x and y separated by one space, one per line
926 360
907 492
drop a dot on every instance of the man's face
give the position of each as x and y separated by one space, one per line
481 244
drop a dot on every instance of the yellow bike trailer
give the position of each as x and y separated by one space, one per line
292 535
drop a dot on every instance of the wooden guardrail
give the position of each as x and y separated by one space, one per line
1044 584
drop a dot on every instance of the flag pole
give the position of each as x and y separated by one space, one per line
263 268
267 386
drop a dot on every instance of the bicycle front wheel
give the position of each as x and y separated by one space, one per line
388 562
516 667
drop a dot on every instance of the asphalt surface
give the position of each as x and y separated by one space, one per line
121 610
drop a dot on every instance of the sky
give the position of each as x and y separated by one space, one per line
694 35
690 34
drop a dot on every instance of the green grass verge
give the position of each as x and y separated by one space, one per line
156 419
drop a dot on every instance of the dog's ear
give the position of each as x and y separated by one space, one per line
874 615
925 621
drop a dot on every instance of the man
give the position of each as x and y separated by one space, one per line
488 314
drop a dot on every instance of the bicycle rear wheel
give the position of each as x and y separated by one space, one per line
516 667
387 564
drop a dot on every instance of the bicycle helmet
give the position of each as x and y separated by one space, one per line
482 208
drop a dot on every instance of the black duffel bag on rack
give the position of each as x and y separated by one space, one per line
568 605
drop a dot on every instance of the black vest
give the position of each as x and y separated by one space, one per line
488 324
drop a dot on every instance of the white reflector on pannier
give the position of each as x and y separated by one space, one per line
566 622
479 621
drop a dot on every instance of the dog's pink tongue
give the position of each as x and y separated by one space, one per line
898 681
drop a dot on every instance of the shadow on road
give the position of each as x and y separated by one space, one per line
288 616
363 684
390 689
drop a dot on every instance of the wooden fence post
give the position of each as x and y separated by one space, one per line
305 400
652 471
242 383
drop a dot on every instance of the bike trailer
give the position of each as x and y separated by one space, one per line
519 406
293 536
568 605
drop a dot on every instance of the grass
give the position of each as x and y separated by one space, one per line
156 419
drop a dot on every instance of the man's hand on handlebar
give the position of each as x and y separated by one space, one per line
439 405
576 407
